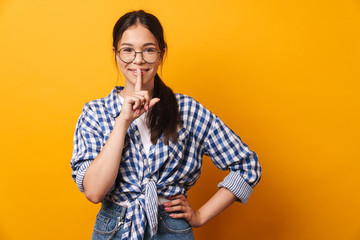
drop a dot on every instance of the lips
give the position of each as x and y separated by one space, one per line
143 71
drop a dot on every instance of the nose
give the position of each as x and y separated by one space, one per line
138 58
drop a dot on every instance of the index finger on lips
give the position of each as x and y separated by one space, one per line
138 83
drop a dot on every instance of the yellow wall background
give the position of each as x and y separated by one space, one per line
283 74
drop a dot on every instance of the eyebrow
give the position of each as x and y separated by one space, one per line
144 45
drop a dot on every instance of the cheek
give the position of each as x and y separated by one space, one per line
121 64
153 71
122 67
156 67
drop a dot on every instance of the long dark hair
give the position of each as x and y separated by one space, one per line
164 117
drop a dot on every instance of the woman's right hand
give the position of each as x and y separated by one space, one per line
136 103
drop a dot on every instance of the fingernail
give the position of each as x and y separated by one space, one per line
171 215
166 209
165 204
138 111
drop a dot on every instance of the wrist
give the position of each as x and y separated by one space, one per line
202 219
120 121
199 220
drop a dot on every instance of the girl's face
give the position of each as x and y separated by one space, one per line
139 38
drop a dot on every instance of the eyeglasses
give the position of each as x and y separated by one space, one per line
149 55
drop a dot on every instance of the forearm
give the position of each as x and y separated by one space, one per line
102 172
215 205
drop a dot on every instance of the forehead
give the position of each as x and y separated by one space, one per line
137 35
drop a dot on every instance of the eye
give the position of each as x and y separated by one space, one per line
150 50
127 50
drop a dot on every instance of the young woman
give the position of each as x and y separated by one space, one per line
140 149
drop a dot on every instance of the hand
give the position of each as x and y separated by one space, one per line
138 102
179 203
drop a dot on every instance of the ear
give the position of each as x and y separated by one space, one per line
116 55
162 55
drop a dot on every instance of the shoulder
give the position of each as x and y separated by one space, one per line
102 105
91 115
187 102
98 112
193 112
95 106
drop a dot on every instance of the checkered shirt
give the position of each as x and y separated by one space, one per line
169 169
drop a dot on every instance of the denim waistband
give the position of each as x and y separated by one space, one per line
112 208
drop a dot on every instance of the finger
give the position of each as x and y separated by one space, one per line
177 208
153 102
179 215
137 100
138 83
131 99
146 99
177 196
180 196
175 202
143 95
137 103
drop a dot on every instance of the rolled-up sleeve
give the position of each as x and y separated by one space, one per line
88 142
228 152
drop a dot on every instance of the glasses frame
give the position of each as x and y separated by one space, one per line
142 55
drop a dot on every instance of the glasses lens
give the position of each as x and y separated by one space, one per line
127 54
150 55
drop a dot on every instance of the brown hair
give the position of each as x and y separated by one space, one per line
164 117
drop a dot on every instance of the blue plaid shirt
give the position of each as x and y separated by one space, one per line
169 169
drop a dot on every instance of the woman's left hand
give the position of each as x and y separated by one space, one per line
179 203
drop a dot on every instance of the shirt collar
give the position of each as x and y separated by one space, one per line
113 103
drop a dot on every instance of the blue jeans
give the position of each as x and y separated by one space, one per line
109 225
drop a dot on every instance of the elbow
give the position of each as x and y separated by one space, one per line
93 197
257 177
93 192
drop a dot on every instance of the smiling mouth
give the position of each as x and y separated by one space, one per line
142 70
